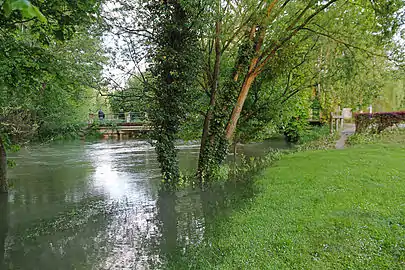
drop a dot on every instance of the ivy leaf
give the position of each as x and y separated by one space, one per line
27 9
32 11
19 4
11 163
7 8
11 5
59 35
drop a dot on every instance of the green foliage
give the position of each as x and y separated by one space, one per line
318 50
60 131
57 19
9 146
173 59
27 9
317 138
132 98
239 172
38 79
293 129
377 122
392 96
315 133
393 136
252 166
36 70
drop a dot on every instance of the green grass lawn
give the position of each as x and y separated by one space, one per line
330 209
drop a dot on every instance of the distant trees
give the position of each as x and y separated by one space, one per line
133 97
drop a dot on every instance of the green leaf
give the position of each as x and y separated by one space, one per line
33 11
19 4
7 8
27 9
11 163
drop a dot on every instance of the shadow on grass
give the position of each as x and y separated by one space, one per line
217 203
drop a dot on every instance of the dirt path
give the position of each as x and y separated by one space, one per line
348 129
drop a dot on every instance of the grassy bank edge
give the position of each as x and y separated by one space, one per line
318 231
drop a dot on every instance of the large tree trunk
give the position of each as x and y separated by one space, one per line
3 168
208 117
260 32
230 129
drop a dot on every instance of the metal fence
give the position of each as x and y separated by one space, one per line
124 117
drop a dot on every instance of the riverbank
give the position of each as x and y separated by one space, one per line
326 209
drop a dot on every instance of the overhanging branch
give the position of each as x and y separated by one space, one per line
349 45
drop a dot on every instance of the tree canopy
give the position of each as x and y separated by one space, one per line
50 60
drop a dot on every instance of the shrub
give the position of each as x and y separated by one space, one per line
377 122
294 129
391 136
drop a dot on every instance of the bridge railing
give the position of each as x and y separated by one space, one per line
124 117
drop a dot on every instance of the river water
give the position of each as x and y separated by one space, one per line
98 206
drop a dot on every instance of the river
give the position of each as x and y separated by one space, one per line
97 206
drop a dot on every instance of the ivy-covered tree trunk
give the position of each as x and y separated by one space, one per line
3 168
172 56
206 144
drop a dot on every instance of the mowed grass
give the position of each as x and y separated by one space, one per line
331 209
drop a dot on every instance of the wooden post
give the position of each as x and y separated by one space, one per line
337 123
331 123
91 118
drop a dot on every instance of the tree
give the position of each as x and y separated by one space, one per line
36 65
15 124
172 60
3 167
277 28
131 98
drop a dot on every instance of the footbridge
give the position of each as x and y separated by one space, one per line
124 124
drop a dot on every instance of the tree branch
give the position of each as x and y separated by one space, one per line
268 54
348 45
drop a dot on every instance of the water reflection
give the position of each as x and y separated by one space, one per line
3 227
98 206
168 218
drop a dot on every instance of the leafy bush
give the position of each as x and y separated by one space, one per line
251 166
360 139
377 122
395 136
314 133
317 138
294 129
59 131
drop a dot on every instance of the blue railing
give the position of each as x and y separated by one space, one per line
124 117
